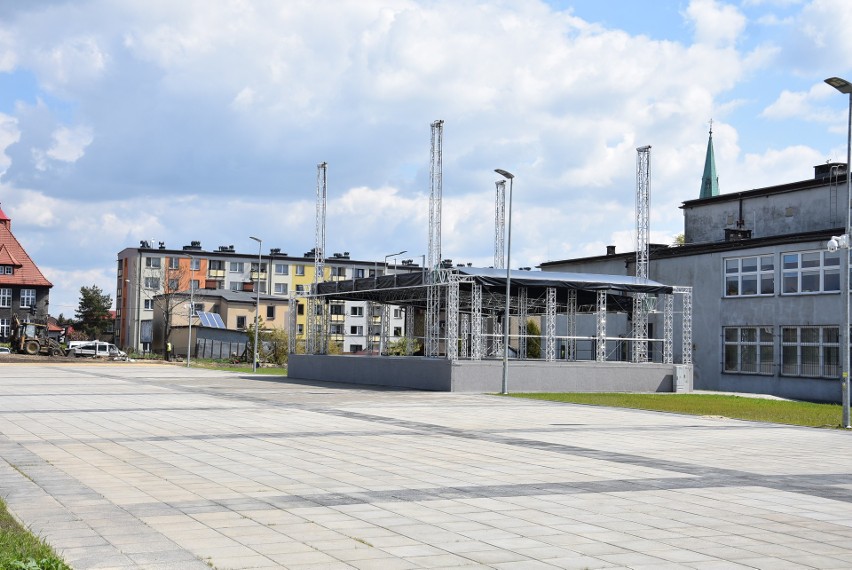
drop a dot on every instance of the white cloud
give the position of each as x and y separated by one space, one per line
69 145
803 105
716 24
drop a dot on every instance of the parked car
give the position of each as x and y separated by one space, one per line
5 350
97 349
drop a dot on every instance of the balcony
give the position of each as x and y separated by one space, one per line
216 273
258 276
214 284
248 286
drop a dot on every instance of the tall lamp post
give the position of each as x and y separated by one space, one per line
191 310
394 263
843 242
257 302
505 387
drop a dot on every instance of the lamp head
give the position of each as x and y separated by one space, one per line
504 173
840 84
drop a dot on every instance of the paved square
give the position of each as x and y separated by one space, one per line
156 466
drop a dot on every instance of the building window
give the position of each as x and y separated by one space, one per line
810 351
280 288
149 304
397 313
254 267
300 329
262 286
174 262
173 285
336 329
747 276
9 270
152 262
356 330
5 297
811 272
152 283
300 309
194 284
338 272
270 312
336 309
282 269
355 348
300 270
237 267
194 264
749 350
5 328
28 298
356 311
397 331
300 288
215 265
236 286
359 273
241 322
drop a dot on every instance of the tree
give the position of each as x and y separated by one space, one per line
533 340
679 239
93 310
403 346
167 285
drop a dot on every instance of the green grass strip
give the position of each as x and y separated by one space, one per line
21 550
736 407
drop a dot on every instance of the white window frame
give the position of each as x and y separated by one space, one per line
5 327
356 311
812 265
194 264
153 262
356 330
817 356
28 298
749 273
236 267
149 304
300 269
748 350
5 297
281 289
152 283
282 269
174 263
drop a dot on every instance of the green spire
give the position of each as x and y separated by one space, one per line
709 182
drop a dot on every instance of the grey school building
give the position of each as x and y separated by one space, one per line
767 307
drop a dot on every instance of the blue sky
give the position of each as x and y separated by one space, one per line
204 120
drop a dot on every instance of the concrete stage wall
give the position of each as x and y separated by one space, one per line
440 374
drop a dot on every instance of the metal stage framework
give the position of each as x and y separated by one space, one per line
472 303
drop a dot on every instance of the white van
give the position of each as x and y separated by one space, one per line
97 349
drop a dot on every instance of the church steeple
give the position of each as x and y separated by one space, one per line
709 182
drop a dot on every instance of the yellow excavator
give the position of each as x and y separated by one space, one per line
31 338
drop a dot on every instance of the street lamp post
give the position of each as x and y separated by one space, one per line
191 311
843 241
505 386
257 302
381 319
394 263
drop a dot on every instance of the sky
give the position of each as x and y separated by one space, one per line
205 120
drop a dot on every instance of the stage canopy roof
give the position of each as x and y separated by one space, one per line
410 288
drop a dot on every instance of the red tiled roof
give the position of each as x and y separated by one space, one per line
12 253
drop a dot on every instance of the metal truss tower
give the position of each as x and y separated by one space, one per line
317 342
499 224
640 300
433 301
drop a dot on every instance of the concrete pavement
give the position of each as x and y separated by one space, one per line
141 466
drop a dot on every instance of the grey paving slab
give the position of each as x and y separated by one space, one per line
142 466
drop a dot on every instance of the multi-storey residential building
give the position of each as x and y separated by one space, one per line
146 272
24 291
767 298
